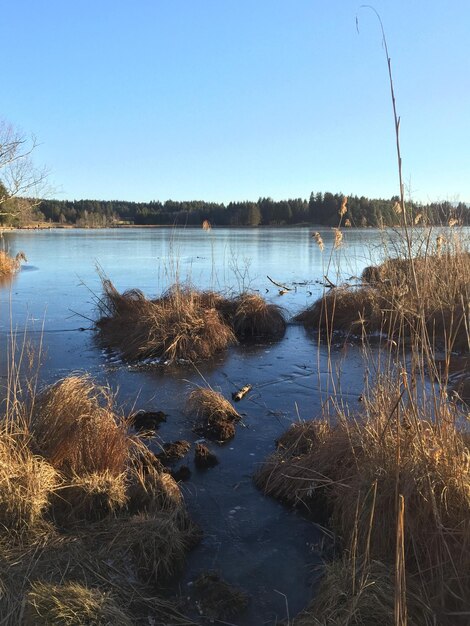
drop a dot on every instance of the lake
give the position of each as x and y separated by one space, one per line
249 539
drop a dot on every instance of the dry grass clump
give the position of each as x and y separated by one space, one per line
157 544
70 515
73 425
9 265
173 451
253 317
203 457
71 604
359 466
26 482
149 487
404 296
435 287
216 416
90 497
183 324
345 309
127 559
358 593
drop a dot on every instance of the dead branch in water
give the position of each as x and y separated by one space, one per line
279 284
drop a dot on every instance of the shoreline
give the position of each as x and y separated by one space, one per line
56 226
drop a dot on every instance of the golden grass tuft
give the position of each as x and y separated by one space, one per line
81 525
26 482
157 545
254 318
358 593
216 416
403 297
183 324
74 427
345 309
71 604
354 467
90 497
8 264
150 488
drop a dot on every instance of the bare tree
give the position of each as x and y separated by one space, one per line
21 182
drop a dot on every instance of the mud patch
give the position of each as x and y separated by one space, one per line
173 451
204 458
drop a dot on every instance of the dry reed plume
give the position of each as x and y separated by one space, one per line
319 240
356 468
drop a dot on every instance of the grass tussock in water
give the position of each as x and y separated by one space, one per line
184 324
403 297
356 467
8 264
180 325
254 318
216 417
86 509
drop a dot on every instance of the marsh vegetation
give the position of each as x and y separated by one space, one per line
91 490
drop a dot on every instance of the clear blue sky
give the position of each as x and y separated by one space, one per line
235 99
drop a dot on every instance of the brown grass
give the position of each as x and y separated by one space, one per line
71 604
358 593
74 426
216 416
9 265
26 482
345 309
203 457
393 303
150 489
358 466
157 545
254 318
173 451
184 324
181 325
126 559
89 497
77 526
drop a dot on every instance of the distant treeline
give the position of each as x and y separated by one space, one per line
321 208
